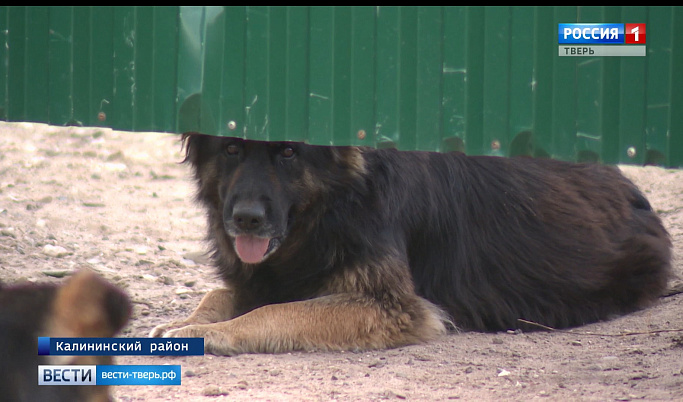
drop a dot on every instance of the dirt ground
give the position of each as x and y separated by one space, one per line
121 204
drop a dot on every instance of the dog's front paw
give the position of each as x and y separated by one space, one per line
160 330
216 340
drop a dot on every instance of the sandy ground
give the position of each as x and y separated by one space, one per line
121 204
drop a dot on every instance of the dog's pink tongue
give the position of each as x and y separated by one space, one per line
251 249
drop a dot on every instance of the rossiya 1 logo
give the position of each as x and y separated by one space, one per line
601 33
601 39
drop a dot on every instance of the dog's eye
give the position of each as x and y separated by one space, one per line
287 152
232 149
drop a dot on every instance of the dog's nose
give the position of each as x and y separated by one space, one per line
249 216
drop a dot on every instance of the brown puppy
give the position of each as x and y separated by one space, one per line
85 306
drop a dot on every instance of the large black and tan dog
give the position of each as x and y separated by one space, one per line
85 306
329 248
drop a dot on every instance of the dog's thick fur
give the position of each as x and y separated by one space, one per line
331 248
85 306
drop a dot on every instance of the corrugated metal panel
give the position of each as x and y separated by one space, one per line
487 80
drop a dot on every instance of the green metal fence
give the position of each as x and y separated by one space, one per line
485 80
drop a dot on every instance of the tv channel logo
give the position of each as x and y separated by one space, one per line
601 33
635 34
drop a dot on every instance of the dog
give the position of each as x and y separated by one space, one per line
352 248
85 306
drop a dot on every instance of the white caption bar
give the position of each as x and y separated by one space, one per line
599 50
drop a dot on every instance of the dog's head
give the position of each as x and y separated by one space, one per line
84 306
256 191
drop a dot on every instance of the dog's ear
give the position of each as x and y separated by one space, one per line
351 158
200 148
88 306
190 145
